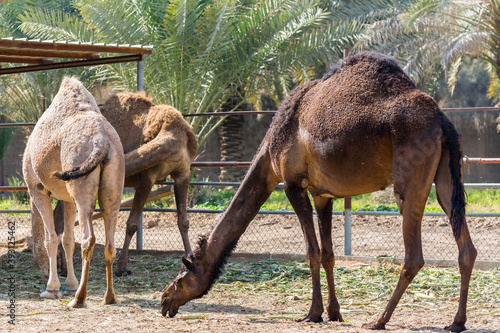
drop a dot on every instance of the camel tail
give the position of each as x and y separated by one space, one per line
98 155
457 214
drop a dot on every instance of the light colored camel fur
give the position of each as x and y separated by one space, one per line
157 142
73 155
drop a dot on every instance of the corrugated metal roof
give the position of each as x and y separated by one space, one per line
50 54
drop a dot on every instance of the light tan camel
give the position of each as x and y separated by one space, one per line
74 155
361 128
157 142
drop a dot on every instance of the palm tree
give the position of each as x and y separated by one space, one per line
208 55
432 38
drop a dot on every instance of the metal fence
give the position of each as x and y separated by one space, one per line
355 233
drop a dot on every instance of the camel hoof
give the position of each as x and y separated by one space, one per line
336 317
76 304
108 300
123 272
311 319
50 294
455 327
66 291
374 326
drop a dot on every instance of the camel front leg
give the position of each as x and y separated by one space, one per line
141 195
181 190
300 202
324 211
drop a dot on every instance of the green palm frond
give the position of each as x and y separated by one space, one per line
54 24
114 20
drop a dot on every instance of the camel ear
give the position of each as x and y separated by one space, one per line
189 265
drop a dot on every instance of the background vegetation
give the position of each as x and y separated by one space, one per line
220 55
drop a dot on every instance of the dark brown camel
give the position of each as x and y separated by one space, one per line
157 142
361 128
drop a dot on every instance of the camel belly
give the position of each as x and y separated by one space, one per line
341 167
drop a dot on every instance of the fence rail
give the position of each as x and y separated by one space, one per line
347 214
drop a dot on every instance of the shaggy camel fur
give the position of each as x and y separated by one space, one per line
361 128
74 155
158 142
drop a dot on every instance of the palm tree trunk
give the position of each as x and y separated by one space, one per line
232 137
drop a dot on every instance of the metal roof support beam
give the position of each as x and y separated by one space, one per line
71 64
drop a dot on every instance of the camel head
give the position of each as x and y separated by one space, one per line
192 282
199 271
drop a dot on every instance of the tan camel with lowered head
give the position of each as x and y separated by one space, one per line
73 155
157 142
361 128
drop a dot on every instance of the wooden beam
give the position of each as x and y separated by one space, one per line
48 53
74 46
71 64
24 60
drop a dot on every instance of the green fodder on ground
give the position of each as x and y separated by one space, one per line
264 296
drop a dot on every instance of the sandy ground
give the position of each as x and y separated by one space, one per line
224 311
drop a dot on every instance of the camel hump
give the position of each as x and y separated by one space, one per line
72 98
126 104
100 150
374 73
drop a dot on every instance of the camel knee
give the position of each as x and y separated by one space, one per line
466 258
131 229
51 242
183 225
313 254
132 225
88 244
109 253
327 260
411 269
68 242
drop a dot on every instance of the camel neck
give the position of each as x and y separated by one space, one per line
256 187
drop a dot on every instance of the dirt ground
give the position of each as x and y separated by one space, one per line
221 310
225 311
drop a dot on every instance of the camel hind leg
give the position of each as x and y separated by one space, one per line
68 241
42 208
467 252
413 172
110 193
84 192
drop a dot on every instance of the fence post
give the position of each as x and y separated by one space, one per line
347 226
138 236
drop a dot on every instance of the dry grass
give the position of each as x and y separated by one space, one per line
265 296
